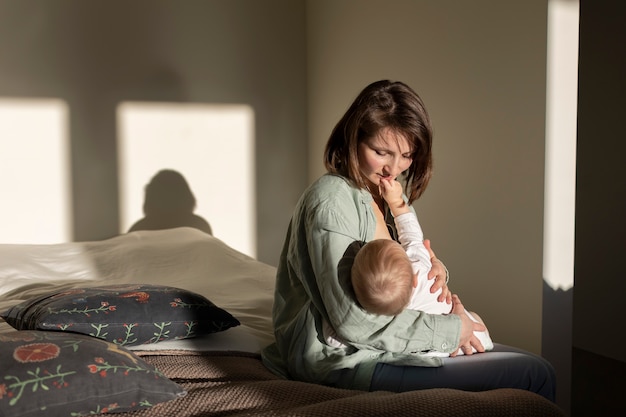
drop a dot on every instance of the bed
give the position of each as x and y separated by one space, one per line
171 322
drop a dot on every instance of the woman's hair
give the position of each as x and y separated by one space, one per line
383 105
382 277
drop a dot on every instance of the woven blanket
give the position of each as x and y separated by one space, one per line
237 384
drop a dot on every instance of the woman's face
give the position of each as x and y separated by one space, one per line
385 155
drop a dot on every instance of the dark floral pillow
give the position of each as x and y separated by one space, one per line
63 374
126 315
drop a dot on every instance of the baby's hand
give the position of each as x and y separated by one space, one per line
391 191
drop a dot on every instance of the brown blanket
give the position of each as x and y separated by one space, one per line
229 384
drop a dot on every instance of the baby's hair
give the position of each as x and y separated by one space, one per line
382 277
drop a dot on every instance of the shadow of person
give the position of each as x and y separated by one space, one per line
169 203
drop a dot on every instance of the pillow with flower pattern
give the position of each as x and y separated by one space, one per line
127 315
64 374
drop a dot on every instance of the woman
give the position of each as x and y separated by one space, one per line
386 132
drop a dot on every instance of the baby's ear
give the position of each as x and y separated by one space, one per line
414 280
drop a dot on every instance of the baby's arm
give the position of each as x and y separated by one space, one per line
410 233
411 238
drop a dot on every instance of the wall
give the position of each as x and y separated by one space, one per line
480 67
94 55
601 179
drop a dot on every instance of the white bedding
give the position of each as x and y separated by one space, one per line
184 257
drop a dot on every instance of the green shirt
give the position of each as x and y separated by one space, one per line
311 285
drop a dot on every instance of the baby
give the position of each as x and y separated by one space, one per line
388 276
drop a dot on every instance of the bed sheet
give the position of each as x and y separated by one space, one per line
183 257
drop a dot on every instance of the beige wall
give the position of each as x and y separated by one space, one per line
480 67
94 55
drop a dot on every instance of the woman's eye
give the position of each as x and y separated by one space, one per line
380 153
407 156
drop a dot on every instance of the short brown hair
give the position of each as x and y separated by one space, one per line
383 104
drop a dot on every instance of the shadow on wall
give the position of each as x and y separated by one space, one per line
557 339
169 203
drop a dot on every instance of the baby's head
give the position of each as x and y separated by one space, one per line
382 277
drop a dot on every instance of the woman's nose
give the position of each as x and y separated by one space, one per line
393 168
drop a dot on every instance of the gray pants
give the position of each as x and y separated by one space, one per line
503 367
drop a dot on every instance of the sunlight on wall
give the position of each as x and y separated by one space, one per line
560 177
212 146
34 171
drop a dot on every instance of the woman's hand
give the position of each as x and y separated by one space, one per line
468 327
439 273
